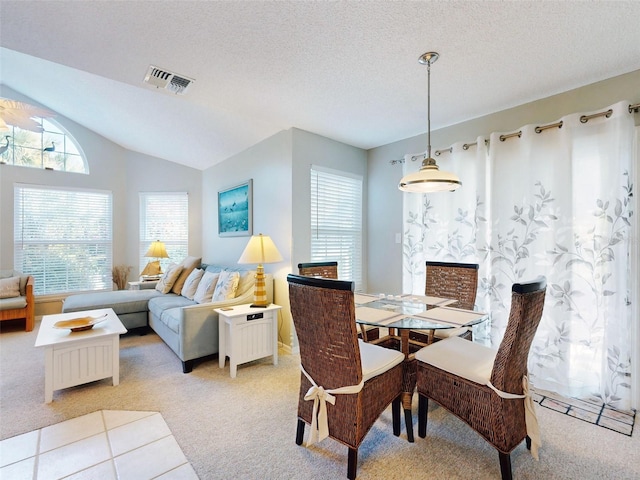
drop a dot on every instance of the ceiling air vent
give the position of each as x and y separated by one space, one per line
166 80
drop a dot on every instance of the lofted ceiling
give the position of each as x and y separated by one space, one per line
347 70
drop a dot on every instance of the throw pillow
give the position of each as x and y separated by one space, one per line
226 287
10 287
191 283
206 287
188 264
168 278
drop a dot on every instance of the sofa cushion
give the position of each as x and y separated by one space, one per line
171 318
188 264
122 301
213 268
206 287
10 287
191 283
160 303
168 278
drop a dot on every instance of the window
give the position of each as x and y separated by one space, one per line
336 221
164 216
63 237
53 148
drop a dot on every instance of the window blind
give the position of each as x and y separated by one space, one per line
164 216
63 237
336 221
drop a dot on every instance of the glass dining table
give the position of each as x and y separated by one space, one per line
402 314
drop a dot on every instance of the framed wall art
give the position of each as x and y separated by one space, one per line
235 210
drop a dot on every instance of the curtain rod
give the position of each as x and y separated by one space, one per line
634 108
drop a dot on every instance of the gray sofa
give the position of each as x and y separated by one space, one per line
190 329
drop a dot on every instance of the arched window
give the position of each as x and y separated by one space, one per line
53 148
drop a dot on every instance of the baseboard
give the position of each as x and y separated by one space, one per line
287 350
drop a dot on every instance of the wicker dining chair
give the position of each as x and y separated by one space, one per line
472 381
332 357
318 269
458 281
330 270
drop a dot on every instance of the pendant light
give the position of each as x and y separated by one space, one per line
429 178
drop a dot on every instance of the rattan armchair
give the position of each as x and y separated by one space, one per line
458 281
485 388
332 357
319 269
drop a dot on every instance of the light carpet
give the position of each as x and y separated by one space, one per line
244 428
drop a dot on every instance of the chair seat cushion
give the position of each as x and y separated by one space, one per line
450 332
461 357
13 303
376 360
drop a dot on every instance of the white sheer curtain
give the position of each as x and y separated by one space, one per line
555 203
448 227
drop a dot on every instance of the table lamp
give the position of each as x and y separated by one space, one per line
260 250
157 250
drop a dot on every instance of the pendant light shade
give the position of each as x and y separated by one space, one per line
429 178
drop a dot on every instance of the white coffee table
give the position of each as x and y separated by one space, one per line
74 358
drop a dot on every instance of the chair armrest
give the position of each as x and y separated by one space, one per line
31 304
29 288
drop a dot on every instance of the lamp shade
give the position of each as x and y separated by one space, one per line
157 250
259 250
429 179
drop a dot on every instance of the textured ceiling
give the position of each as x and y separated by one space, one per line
346 70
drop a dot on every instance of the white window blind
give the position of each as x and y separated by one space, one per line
336 221
63 237
164 216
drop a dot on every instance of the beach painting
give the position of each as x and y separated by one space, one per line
235 205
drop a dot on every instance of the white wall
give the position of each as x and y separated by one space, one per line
279 167
268 164
113 168
310 149
385 200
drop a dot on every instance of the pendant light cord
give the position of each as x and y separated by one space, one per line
429 108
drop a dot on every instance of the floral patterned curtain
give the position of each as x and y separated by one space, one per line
448 227
553 202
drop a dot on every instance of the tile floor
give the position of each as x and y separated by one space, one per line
598 414
104 445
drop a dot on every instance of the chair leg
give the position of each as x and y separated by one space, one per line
352 463
395 415
528 440
423 406
505 466
408 421
300 432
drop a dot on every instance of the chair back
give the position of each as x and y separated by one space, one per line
319 269
453 280
527 302
323 313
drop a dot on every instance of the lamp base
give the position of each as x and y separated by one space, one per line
260 291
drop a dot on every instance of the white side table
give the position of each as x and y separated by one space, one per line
74 358
247 334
